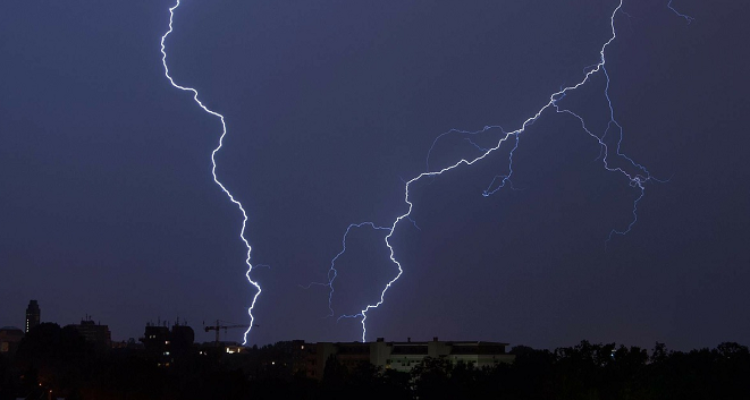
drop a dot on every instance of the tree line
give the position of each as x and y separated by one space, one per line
50 358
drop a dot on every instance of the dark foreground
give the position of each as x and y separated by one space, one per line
60 361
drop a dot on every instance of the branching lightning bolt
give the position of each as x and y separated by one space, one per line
213 169
637 178
333 272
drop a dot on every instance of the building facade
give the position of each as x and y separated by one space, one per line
94 333
403 356
165 345
10 337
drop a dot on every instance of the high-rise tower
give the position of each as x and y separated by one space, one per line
33 314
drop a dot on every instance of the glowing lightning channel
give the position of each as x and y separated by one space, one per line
213 169
503 179
333 272
468 139
636 179
687 18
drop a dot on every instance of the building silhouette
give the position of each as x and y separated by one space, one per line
165 345
94 332
33 315
10 337
310 359
403 356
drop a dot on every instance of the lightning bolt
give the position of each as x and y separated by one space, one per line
687 18
333 272
213 168
636 174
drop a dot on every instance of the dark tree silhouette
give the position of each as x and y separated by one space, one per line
59 359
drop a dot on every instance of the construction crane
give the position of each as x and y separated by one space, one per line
218 327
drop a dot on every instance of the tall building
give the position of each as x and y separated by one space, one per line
33 314
166 346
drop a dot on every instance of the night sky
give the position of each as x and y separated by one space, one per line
108 207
